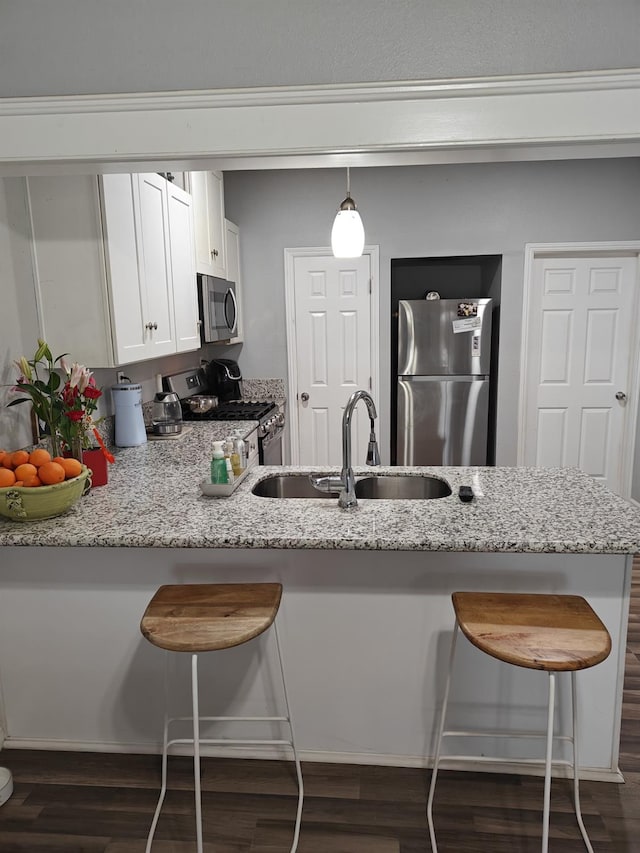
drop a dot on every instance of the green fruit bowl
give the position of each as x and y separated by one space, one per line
22 503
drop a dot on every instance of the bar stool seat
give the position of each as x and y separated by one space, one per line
198 618
554 633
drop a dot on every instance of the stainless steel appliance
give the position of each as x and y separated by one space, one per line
166 414
444 356
218 308
270 420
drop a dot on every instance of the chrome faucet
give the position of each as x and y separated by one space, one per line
346 481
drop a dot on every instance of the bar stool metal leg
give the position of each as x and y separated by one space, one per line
296 833
547 763
576 776
436 760
196 751
165 757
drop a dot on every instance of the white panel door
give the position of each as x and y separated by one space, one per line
333 352
579 364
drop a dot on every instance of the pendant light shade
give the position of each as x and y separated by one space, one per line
347 234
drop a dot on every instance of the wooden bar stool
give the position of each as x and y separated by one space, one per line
198 618
554 633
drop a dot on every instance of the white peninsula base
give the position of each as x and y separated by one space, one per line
365 637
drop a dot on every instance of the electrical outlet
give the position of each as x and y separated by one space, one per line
121 377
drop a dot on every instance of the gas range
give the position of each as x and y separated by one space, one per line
271 421
267 414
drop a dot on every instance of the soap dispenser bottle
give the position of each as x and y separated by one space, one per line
228 449
239 450
218 464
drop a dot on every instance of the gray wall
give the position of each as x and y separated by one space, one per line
92 46
422 212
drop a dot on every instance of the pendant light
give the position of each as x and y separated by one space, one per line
347 234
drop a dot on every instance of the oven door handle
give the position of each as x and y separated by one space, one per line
272 436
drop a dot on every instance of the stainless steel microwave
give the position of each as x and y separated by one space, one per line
218 308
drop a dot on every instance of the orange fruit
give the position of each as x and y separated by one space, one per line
24 471
7 478
59 459
18 483
51 473
71 467
19 457
6 462
32 481
39 456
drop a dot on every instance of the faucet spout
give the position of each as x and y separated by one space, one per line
347 497
346 481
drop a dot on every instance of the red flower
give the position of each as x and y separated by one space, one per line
69 394
74 415
92 393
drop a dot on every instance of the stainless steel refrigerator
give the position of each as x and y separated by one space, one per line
444 357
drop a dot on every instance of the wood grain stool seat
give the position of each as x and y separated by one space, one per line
554 633
196 618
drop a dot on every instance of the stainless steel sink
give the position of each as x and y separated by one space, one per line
295 486
402 487
382 487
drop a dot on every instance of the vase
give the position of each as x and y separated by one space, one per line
52 442
76 448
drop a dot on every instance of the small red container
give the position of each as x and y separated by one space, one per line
95 460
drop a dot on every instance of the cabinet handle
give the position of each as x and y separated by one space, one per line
214 253
151 326
155 326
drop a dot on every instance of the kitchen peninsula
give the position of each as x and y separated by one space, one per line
366 617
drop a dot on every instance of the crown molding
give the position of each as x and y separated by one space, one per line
494 118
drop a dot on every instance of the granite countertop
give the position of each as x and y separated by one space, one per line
153 500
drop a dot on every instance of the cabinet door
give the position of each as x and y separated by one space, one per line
232 254
127 298
152 225
207 190
69 270
183 273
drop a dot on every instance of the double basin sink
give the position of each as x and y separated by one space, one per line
381 487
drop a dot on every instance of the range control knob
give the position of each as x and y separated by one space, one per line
280 419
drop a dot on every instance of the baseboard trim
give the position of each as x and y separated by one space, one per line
593 774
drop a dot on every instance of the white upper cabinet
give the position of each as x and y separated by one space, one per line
207 190
114 267
69 267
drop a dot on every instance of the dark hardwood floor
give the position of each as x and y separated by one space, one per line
102 803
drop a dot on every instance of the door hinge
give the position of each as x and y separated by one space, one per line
370 385
370 287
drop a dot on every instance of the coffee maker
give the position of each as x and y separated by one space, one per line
224 379
127 402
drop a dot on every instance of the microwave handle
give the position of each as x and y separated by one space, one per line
231 327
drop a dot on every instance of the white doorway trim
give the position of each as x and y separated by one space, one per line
613 248
290 256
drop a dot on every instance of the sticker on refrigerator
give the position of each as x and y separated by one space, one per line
475 346
467 309
468 324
